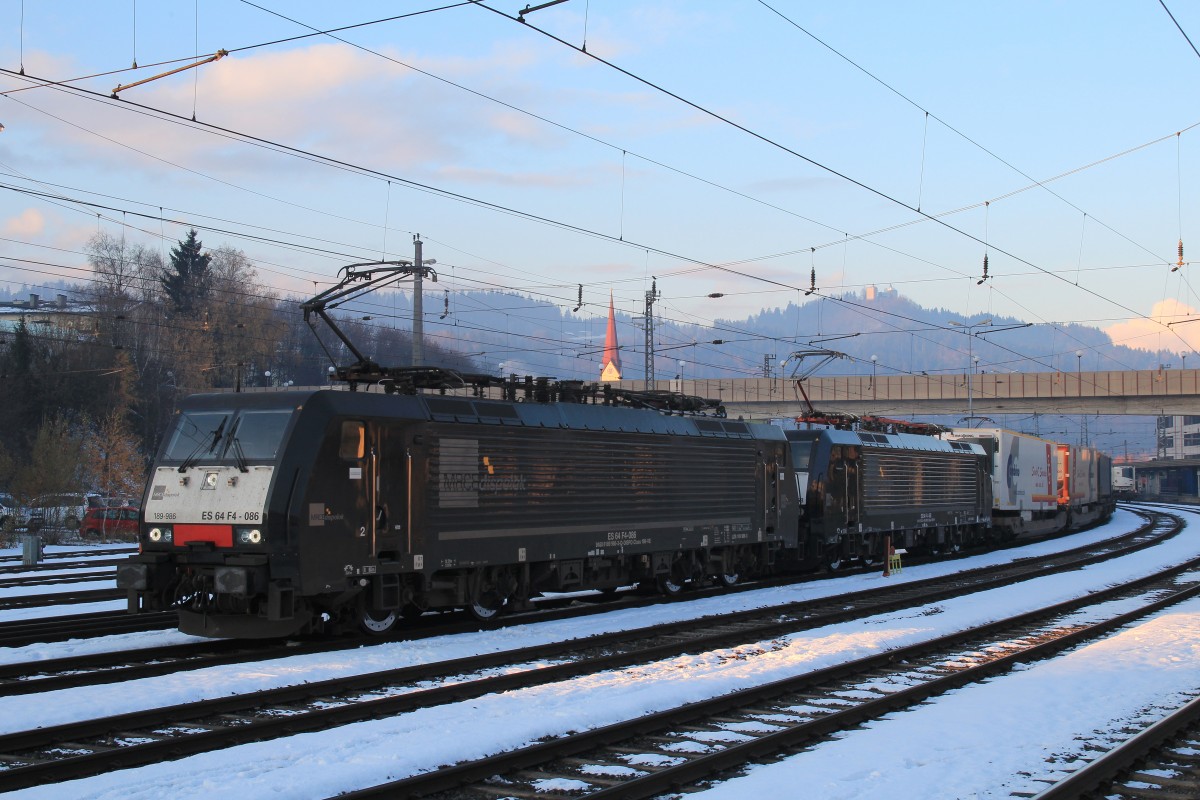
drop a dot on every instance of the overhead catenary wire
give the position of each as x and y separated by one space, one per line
819 165
272 43
749 370
940 121
417 185
317 32
1035 265
495 285
1180 27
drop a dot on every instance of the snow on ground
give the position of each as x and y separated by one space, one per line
977 742
46 574
61 588
103 554
983 743
65 609
51 552
93 552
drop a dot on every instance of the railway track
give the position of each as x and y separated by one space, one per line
1163 761
54 580
60 598
71 554
91 563
79 749
19 633
125 665
716 738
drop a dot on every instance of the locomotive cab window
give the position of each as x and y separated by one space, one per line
354 440
259 433
801 455
198 433
223 435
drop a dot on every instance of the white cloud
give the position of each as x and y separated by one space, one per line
26 225
326 97
1150 334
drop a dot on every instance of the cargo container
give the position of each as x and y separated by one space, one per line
1024 472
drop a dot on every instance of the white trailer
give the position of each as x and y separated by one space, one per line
1024 472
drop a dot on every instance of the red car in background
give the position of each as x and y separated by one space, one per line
115 521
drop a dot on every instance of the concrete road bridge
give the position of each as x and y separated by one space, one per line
1140 392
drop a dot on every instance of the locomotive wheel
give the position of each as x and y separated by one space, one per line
376 622
486 609
728 579
668 587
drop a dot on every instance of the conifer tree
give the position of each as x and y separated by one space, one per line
186 280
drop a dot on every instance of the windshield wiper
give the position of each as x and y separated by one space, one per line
239 455
236 444
194 456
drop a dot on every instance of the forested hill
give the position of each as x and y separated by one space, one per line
508 332
512 333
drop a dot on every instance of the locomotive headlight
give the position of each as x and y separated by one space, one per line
158 535
250 536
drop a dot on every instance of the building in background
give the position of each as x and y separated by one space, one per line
39 315
1178 437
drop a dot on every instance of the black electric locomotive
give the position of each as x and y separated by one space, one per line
865 491
274 513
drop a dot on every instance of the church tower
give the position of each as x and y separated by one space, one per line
610 365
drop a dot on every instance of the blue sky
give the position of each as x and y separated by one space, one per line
825 170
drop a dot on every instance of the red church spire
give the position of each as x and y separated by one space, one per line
610 365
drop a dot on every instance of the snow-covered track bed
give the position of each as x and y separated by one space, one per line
40 579
96 668
50 566
73 554
713 739
51 674
123 665
92 746
60 598
1162 761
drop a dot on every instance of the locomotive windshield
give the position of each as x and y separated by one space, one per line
250 435
801 455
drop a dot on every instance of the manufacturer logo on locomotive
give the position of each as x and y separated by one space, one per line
459 478
319 514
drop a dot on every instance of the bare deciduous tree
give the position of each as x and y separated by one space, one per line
112 464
